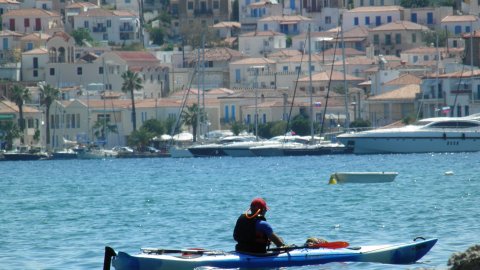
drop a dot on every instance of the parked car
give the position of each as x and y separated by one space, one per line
152 149
122 149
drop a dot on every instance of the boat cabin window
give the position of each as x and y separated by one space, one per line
454 124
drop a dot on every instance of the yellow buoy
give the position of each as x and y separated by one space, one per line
332 180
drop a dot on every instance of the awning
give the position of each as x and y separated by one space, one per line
289 22
6 116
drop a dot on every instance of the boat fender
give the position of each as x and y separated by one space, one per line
109 253
333 180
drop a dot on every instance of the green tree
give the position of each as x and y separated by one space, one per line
237 127
103 127
20 95
301 125
81 34
9 131
157 35
140 139
154 126
414 3
189 118
48 94
131 82
360 123
430 38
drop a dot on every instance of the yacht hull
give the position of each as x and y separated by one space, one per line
443 142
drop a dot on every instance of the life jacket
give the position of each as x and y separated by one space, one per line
248 238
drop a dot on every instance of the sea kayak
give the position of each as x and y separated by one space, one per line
164 259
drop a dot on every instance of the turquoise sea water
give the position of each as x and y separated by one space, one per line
60 214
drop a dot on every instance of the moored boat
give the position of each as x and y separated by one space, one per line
439 134
160 259
362 177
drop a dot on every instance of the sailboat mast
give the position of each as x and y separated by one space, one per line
198 97
310 87
345 86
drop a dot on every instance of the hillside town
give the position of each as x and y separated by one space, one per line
71 70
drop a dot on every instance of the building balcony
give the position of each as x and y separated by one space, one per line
203 12
99 29
127 28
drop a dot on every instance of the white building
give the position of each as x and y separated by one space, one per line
31 20
115 26
33 65
371 17
261 43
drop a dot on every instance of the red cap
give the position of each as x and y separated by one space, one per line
258 203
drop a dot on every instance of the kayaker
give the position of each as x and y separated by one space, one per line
252 231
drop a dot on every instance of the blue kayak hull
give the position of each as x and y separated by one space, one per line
405 253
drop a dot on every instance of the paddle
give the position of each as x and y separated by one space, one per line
330 245
184 251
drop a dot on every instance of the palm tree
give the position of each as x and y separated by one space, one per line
20 95
131 82
48 94
189 118
10 131
103 127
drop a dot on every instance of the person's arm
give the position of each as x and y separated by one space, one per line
276 240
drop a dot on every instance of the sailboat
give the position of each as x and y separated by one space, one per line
319 146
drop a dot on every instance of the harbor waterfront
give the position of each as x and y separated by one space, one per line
60 214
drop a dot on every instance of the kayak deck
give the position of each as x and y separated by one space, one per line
405 253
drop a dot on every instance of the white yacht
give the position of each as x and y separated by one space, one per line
216 149
242 149
439 134
277 148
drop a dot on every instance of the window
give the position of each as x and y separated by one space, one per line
398 38
226 113
52 71
389 19
265 27
388 39
216 5
26 22
233 113
5 43
35 73
328 20
429 18
85 24
109 23
378 20
458 29
190 5
100 70
467 29
414 38
376 39
285 68
35 62
367 20
425 58
238 76
355 21
415 58
413 17
79 71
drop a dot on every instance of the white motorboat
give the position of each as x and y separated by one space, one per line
440 134
179 152
216 149
276 149
362 177
242 149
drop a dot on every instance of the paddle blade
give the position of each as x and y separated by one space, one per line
331 245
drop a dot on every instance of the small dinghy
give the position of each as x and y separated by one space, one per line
362 177
189 259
